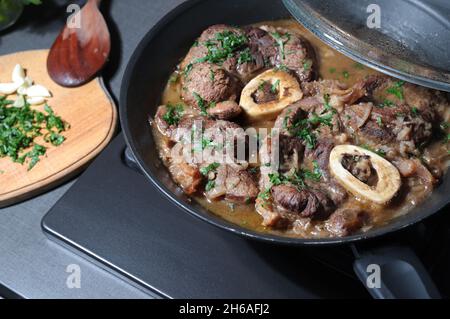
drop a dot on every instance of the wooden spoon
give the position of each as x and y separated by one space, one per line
79 53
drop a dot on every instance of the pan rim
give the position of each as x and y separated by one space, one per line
394 227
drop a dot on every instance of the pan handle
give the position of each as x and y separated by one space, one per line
394 272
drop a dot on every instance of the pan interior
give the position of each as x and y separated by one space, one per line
150 67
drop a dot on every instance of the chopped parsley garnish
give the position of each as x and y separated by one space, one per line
210 185
297 178
264 195
275 87
281 40
201 104
188 69
19 127
307 65
223 47
346 74
261 85
332 70
211 75
282 67
210 168
415 111
379 121
397 89
174 114
327 100
315 174
325 120
245 56
386 103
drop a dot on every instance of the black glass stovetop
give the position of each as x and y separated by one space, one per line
116 218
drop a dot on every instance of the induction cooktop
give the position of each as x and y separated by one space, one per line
114 217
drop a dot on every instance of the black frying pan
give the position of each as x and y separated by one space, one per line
149 68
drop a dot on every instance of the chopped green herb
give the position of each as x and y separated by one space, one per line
386 103
210 168
264 195
314 175
173 114
261 85
188 69
415 111
307 65
201 104
332 70
210 185
379 121
397 89
253 170
281 40
327 104
282 67
211 75
245 56
321 119
20 126
346 74
223 47
275 87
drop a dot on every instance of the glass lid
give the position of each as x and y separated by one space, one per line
407 39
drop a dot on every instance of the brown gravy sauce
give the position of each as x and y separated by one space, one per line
332 65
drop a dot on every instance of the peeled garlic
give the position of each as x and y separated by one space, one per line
288 93
389 180
37 91
9 88
18 74
36 100
19 102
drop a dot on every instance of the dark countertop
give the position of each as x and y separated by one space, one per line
31 266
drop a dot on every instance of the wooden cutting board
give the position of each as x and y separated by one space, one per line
92 116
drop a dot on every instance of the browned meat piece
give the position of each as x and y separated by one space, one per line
359 166
207 84
233 183
396 124
304 203
187 176
290 198
199 50
262 44
346 221
287 120
186 125
331 92
225 110
321 155
387 91
293 53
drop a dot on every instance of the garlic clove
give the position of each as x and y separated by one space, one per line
18 74
35 100
37 91
19 102
389 180
9 88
